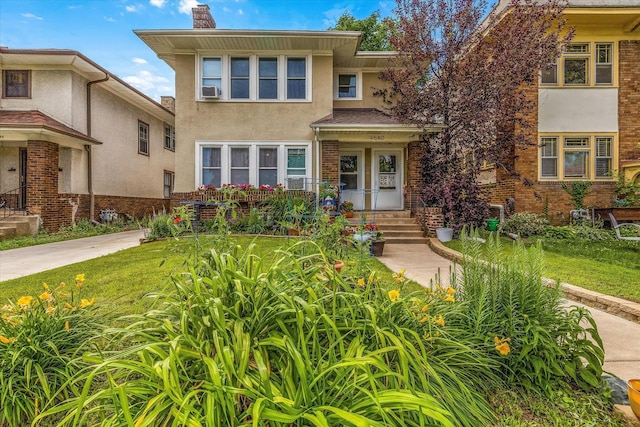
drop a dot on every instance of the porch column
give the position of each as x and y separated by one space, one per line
42 183
330 163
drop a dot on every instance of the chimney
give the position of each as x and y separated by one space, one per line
168 102
202 17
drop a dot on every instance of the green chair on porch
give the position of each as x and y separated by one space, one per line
616 226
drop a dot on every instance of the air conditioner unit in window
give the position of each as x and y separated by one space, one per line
295 183
210 92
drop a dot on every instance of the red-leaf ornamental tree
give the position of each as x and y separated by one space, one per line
474 76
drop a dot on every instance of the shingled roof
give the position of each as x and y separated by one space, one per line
357 116
33 120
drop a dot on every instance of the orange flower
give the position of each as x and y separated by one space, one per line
5 340
503 348
80 278
440 321
451 291
424 319
394 294
450 298
45 286
86 303
360 283
177 220
425 308
45 296
66 325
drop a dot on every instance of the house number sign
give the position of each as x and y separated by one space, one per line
377 137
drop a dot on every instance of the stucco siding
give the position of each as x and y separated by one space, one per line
118 168
583 110
9 159
224 121
370 83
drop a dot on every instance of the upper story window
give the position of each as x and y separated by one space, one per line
16 84
143 138
581 64
169 137
576 157
347 84
255 78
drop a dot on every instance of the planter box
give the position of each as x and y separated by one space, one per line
621 214
377 247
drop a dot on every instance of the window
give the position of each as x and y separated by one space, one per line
604 159
582 64
296 78
168 183
576 157
575 71
579 157
211 76
269 78
169 137
212 166
549 157
240 78
268 75
347 86
549 74
268 166
143 138
349 171
604 63
253 163
16 84
239 165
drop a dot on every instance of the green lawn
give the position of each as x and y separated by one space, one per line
610 267
120 281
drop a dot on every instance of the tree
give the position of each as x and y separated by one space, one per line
475 77
375 31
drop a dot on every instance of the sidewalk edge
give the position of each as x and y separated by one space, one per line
616 306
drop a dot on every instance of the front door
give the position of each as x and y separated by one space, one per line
387 180
352 178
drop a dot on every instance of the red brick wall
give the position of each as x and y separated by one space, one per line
42 183
414 174
629 99
430 219
330 161
130 206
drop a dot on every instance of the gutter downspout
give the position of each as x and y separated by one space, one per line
92 202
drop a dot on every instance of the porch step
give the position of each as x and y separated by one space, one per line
20 225
396 226
7 233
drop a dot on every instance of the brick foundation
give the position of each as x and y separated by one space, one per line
429 219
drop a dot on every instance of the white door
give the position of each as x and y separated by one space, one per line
387 180
352 178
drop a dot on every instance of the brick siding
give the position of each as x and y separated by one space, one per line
330 161
629 99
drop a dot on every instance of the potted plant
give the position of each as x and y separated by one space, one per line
328 195
347 208
444 234
377 239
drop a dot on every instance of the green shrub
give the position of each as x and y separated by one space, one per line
506 301
294 344
562 232
525 224
588 232
41 340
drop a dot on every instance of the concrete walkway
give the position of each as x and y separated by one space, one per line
621 337
21 262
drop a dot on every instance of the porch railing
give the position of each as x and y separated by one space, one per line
11 203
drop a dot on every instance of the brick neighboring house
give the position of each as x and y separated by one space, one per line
75 139
588 116
284 107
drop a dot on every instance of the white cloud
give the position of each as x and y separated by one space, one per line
331 16
240 12
109 19
226 9
32 16
134 8
147 82
157 3
139 60
185 6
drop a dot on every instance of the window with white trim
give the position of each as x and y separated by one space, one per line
143 138
168 183
577 158
253 163
275 77
347 86
169 137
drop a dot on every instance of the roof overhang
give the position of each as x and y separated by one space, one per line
169 43
378 133
38 132
63 59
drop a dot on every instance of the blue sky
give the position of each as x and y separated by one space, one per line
103 29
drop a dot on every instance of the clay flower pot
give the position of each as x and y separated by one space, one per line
338 265
633 389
